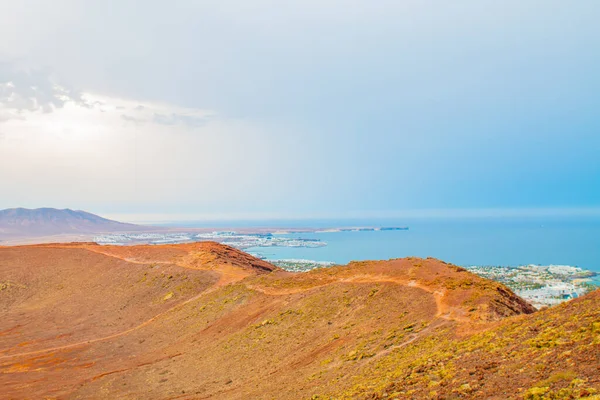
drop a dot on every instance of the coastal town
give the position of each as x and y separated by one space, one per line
238 240
541 285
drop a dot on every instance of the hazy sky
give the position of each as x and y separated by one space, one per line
271 108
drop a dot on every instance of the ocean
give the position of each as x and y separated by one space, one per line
472 241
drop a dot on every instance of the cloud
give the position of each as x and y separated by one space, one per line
129 118
34 91
177 119
149 113
111 153
303 106
25 93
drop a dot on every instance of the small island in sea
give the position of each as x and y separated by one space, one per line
364 229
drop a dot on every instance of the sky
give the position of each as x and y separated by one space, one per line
265 109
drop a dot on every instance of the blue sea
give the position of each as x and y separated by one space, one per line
481 241
463 241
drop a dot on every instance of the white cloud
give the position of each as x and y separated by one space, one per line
297 106
101 150
145 112
23 92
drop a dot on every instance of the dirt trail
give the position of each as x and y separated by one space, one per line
131 260
436 323
230 274
444 310
226 278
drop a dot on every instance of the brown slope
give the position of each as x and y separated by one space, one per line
63 294
239 332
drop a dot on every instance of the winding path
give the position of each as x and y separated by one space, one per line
225 279
230 274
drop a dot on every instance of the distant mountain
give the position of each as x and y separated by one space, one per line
23 222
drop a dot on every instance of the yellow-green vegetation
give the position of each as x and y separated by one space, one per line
8 285
520 349
210 326
569 388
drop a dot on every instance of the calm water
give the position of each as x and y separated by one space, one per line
496 241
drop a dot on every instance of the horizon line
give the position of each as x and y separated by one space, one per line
165 218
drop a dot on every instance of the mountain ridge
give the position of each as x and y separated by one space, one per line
46 221
204 320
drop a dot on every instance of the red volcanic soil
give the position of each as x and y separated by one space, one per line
203 320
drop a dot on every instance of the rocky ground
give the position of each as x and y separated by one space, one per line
204 320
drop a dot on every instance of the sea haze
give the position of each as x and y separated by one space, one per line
495 241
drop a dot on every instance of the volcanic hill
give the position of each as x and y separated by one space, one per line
206 321
29 223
